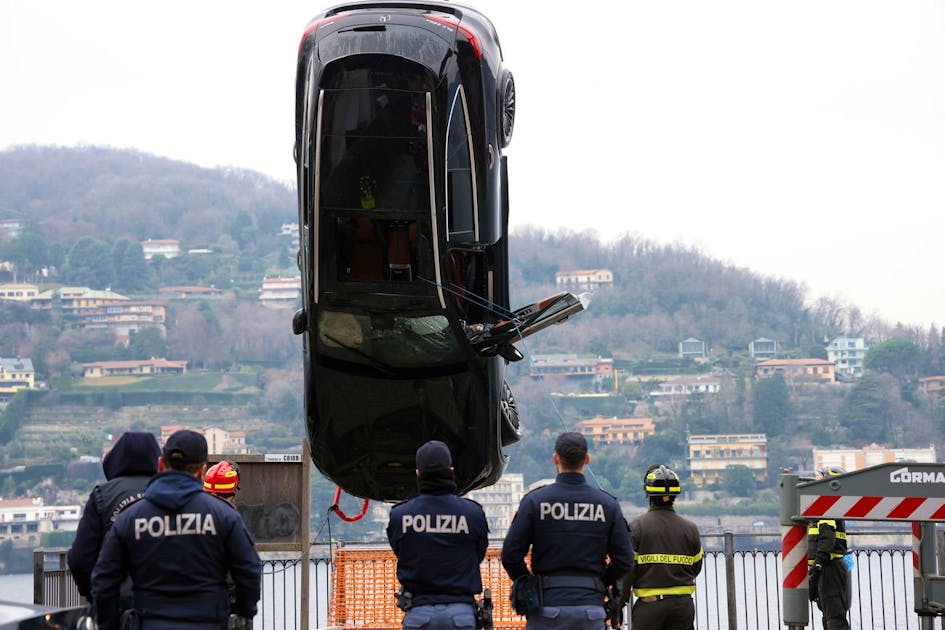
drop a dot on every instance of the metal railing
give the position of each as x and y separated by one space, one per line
739 587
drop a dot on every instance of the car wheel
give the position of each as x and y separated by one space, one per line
506 107
511 426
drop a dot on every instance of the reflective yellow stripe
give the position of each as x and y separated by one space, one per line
667 558
666 590
661 489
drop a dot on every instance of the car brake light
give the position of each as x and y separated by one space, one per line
469 34
322 22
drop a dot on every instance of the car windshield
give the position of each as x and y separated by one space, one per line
386 341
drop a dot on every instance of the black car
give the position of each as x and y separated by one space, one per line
402 112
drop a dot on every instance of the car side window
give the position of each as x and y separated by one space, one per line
461 195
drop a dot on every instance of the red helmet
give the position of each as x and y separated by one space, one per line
222 478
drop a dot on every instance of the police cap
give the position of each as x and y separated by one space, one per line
185 447
434 454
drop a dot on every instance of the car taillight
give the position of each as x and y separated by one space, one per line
469 34
322 22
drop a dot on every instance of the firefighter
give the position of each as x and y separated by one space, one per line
440 540
668 554
223 481
829 575
571 529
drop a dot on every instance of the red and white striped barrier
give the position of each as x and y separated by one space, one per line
874 508
794 556
916 540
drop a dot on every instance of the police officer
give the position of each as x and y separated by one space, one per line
668 553
178 544
829 576
128 467
439 540
571 528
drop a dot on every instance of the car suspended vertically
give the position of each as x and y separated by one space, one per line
402 112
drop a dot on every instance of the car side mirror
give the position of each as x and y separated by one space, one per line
299 321
510 353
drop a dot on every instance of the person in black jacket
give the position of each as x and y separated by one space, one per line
668 551
571 529
439 540
178 544
128 467
830 586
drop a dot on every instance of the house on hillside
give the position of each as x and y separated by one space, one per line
123 318
932 385
15 374
143 367
851 458
166 247
686 385
814 370
24 521
692 348
583 279
710 455
18 292
763 348
616 430
76 300
848 354
280 292
219 441
190 292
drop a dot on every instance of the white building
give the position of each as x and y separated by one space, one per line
23 521
280 292
167 247
849 355
499 501
584 279
856 458
687 386
18 292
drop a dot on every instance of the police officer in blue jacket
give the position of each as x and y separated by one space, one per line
178 544
571 528
439 540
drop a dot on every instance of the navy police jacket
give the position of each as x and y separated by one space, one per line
439 541
178 545
571 528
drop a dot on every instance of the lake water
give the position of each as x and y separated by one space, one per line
17 587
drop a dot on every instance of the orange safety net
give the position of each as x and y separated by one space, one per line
365 582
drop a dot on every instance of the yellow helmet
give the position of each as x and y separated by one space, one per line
661 481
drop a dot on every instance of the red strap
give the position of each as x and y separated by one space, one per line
337 510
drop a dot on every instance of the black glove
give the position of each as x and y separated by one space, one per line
813 583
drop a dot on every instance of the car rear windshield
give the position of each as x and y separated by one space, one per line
387 341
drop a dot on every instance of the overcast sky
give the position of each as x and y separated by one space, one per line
804 140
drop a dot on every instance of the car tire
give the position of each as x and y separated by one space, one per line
511 426
506 108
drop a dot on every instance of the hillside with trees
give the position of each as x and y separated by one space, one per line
86 212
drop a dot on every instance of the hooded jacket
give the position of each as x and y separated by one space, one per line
128 467
178 545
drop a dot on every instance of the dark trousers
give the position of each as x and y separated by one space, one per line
671 613
568 618
835 595
440 617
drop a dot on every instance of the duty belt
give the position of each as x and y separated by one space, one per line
573 581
